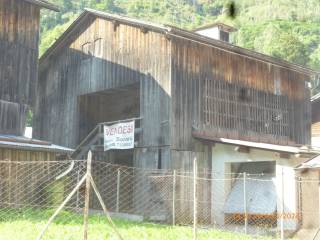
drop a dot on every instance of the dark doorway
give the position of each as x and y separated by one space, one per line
107 106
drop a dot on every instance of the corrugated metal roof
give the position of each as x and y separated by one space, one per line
313 163
261 197
43 4
20 142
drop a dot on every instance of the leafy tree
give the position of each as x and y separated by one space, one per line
285 45
315 58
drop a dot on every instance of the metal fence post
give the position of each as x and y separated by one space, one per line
87 198
78 192
282 207
245 203
118 190
195 198
174 198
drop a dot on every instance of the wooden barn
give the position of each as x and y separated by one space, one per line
19 41
192 96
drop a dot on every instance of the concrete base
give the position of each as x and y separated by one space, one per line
125 216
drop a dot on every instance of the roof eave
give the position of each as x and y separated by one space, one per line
44 4
225 26
200 135
245 52
37 149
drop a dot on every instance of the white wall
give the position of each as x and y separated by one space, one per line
210 32
315 142
222 157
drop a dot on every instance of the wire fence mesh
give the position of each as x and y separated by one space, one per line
152 204
31 191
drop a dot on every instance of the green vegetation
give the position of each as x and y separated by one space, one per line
29 118
26 224
287 29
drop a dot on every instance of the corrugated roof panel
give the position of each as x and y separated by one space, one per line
260 194
20 142
312 163
258 145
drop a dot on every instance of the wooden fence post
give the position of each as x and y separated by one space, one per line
87 198
62 206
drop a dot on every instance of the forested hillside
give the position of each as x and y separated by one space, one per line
288 29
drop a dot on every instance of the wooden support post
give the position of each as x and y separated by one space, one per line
61 207
105 210
87 198
118 190
195 198
174 198
245 203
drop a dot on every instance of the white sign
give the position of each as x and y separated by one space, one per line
119 136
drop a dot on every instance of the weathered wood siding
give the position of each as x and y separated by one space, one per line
103 56
228 95
19 40
19 155
26 176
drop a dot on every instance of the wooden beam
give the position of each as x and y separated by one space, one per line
115 25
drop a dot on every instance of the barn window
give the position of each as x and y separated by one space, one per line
224 36
277 86
239 108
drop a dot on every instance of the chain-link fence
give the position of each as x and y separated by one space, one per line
30 191
48 200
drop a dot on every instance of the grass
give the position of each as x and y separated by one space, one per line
26 225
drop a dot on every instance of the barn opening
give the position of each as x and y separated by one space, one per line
254 196
108 106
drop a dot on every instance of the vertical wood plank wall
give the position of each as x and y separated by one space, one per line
19 39
105 56
228 95
21 182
